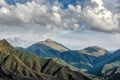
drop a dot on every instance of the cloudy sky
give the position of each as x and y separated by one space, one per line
74 23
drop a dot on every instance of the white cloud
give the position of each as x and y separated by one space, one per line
41 20
55 8
56 18
2 2
113 6
76 26
36 12
4 10
41 12
100 18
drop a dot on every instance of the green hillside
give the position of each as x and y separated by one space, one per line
17 65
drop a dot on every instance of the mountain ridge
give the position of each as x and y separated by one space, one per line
53 44
22 65
94 50
83 60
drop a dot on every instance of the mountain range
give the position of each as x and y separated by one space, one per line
84 59
18 65
37 60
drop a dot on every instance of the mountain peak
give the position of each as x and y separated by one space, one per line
49 40
94 46
53 44
94 50
5 47
4 41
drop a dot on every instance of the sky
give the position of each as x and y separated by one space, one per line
74 23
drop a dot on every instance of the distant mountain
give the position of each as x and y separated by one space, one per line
86 59
54 45
17 42
94 51
91 59
19 65
47 48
